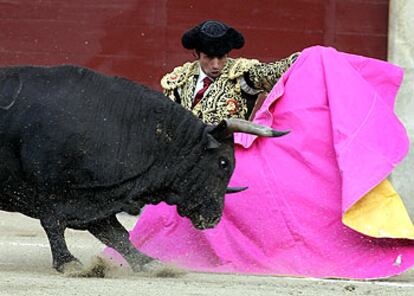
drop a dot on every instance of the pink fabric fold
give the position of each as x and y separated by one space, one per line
344 140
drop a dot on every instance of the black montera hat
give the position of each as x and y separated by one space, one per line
214 38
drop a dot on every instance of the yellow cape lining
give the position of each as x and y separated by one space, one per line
381 214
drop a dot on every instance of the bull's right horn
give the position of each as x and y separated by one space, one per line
244 126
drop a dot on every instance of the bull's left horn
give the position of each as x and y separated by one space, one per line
235 189
244 126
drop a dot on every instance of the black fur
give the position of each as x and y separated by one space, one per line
77 147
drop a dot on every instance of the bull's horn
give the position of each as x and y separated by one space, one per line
235 189
244 126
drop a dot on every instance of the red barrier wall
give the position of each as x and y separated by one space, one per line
140 39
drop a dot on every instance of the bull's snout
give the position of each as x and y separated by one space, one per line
202 223
199 222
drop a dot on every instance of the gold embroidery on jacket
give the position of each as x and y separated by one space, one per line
223 99
264 76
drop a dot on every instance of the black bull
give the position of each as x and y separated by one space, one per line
77 147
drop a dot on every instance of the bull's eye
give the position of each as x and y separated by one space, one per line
223 163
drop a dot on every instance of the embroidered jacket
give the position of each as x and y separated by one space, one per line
232 94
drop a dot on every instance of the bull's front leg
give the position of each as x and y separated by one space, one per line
111 232
55 231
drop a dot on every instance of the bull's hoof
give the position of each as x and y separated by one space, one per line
138 262
71 269
98 268
152 266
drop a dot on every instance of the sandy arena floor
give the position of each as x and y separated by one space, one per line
25 269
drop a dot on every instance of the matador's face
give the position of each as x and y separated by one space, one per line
212 66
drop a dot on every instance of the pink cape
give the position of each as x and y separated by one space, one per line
344 140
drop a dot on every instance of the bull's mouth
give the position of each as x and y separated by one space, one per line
199 222
202 223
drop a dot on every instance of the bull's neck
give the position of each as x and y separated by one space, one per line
175 140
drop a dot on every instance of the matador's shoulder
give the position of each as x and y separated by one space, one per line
237 67
179 75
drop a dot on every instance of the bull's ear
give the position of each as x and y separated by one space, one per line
221 131
212 142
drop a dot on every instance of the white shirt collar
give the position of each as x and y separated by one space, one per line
202 75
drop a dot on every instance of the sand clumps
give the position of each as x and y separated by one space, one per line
100 267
